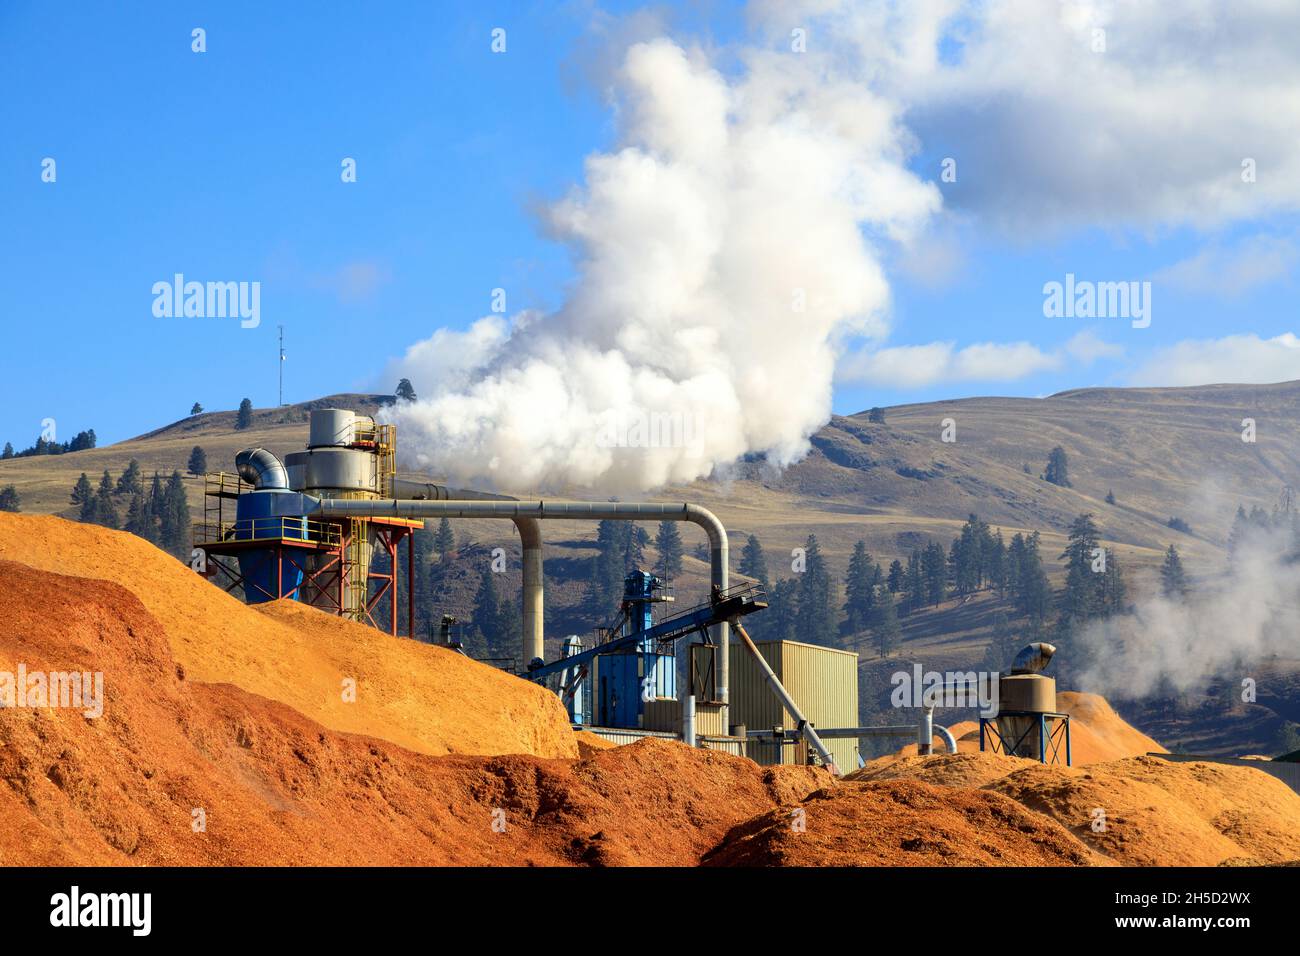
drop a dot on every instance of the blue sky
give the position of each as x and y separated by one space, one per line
225 165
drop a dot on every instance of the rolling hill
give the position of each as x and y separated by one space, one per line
1162 453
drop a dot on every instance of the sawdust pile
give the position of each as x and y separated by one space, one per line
948 770
590 744
1158 813
901 823
1097 733
425 698
270 786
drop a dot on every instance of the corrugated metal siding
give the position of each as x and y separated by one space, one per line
823 681
667 715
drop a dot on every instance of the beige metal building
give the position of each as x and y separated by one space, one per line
824 683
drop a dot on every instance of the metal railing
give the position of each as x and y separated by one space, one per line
278 528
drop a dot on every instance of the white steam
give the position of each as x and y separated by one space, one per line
1222 630
722 256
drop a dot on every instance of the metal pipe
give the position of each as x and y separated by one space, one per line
925 732
534 639
561 511
949 740
261 469
688 721
530 536
787 701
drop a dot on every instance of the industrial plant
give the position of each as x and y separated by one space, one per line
308 530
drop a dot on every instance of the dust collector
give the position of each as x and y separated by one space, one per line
1028 723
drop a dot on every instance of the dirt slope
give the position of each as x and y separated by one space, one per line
424 698
278 788
902 823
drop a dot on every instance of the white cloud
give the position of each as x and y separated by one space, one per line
918 366
1049 135
1231 271
1236 359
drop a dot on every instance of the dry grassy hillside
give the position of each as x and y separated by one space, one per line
1163 452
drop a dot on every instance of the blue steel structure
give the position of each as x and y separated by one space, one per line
1053 732
638 663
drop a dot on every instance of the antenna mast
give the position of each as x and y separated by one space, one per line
281 328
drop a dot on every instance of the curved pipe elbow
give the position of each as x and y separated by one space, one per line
261 469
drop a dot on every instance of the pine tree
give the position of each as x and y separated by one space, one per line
82 492
885 628
1058 468
895 579
9 499
859 585
104 511
245 416
995 564
782 616
934 568
753 561
196 409
139 520
816 600
668 542
1110 497
198 463
1084 596
487 612
405 390
444 541
915 586
8 452
129 482
175 517
510 625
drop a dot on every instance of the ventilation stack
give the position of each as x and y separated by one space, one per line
348 456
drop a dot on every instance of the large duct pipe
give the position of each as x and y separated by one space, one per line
530 536
261 469
564 511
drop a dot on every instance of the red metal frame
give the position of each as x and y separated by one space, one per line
331 577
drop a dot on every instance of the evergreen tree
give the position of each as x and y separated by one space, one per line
139 520
444 541
198 463
915 582
83 491
967 558
510 625
1058 468
9 499
934 568
129 482
1110 497
9 450
896 575
1031 591
245 416
1084 596
816 599
860 591
668 542
104 511
780 621
752 560
487 613
405 390
1173 582
174 515
877 415
995 564
156 497
608 568
196 409
885 628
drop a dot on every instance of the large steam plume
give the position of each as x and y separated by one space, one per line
722 255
